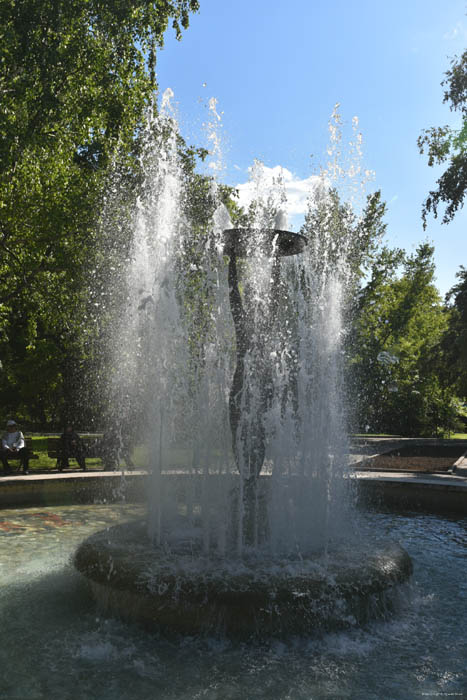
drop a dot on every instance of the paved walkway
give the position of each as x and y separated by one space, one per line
362 451
52 476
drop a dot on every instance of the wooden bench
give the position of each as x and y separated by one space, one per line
28 445
95 447
53 448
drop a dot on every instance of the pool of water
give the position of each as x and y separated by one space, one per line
54 644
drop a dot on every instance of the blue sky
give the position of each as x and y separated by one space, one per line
278 68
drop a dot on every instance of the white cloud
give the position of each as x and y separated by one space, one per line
458 32
297 190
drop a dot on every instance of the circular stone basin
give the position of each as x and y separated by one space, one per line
185 592
282 243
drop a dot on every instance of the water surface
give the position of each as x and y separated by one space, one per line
56 645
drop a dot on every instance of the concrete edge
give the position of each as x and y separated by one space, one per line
80 488
446 495
363 462
460 466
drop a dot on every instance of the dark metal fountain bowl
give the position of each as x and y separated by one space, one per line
240 241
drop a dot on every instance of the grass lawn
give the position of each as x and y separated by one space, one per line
380 435
45 463
176 458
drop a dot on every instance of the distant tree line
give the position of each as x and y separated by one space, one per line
406 348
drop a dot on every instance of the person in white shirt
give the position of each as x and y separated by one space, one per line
14 446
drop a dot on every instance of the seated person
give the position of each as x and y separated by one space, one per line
71 445
107 449
128 441
112 447
13 445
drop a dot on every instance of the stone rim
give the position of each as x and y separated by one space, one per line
115 564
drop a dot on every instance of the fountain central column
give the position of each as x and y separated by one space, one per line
249 460
247 423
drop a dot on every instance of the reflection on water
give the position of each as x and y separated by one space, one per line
55 644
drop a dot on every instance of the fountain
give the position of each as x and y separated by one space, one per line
239 358
57 643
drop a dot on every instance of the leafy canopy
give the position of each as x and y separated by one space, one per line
455 340
446 145
76 78
396 346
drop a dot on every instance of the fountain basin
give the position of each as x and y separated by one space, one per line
183 592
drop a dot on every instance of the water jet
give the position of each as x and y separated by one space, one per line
239 357
176 580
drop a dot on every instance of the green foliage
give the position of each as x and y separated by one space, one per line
444 144
75 81
396 347
335 232
455 340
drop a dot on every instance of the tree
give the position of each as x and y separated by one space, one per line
447 145
335 233
396 348
76 79
454 342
